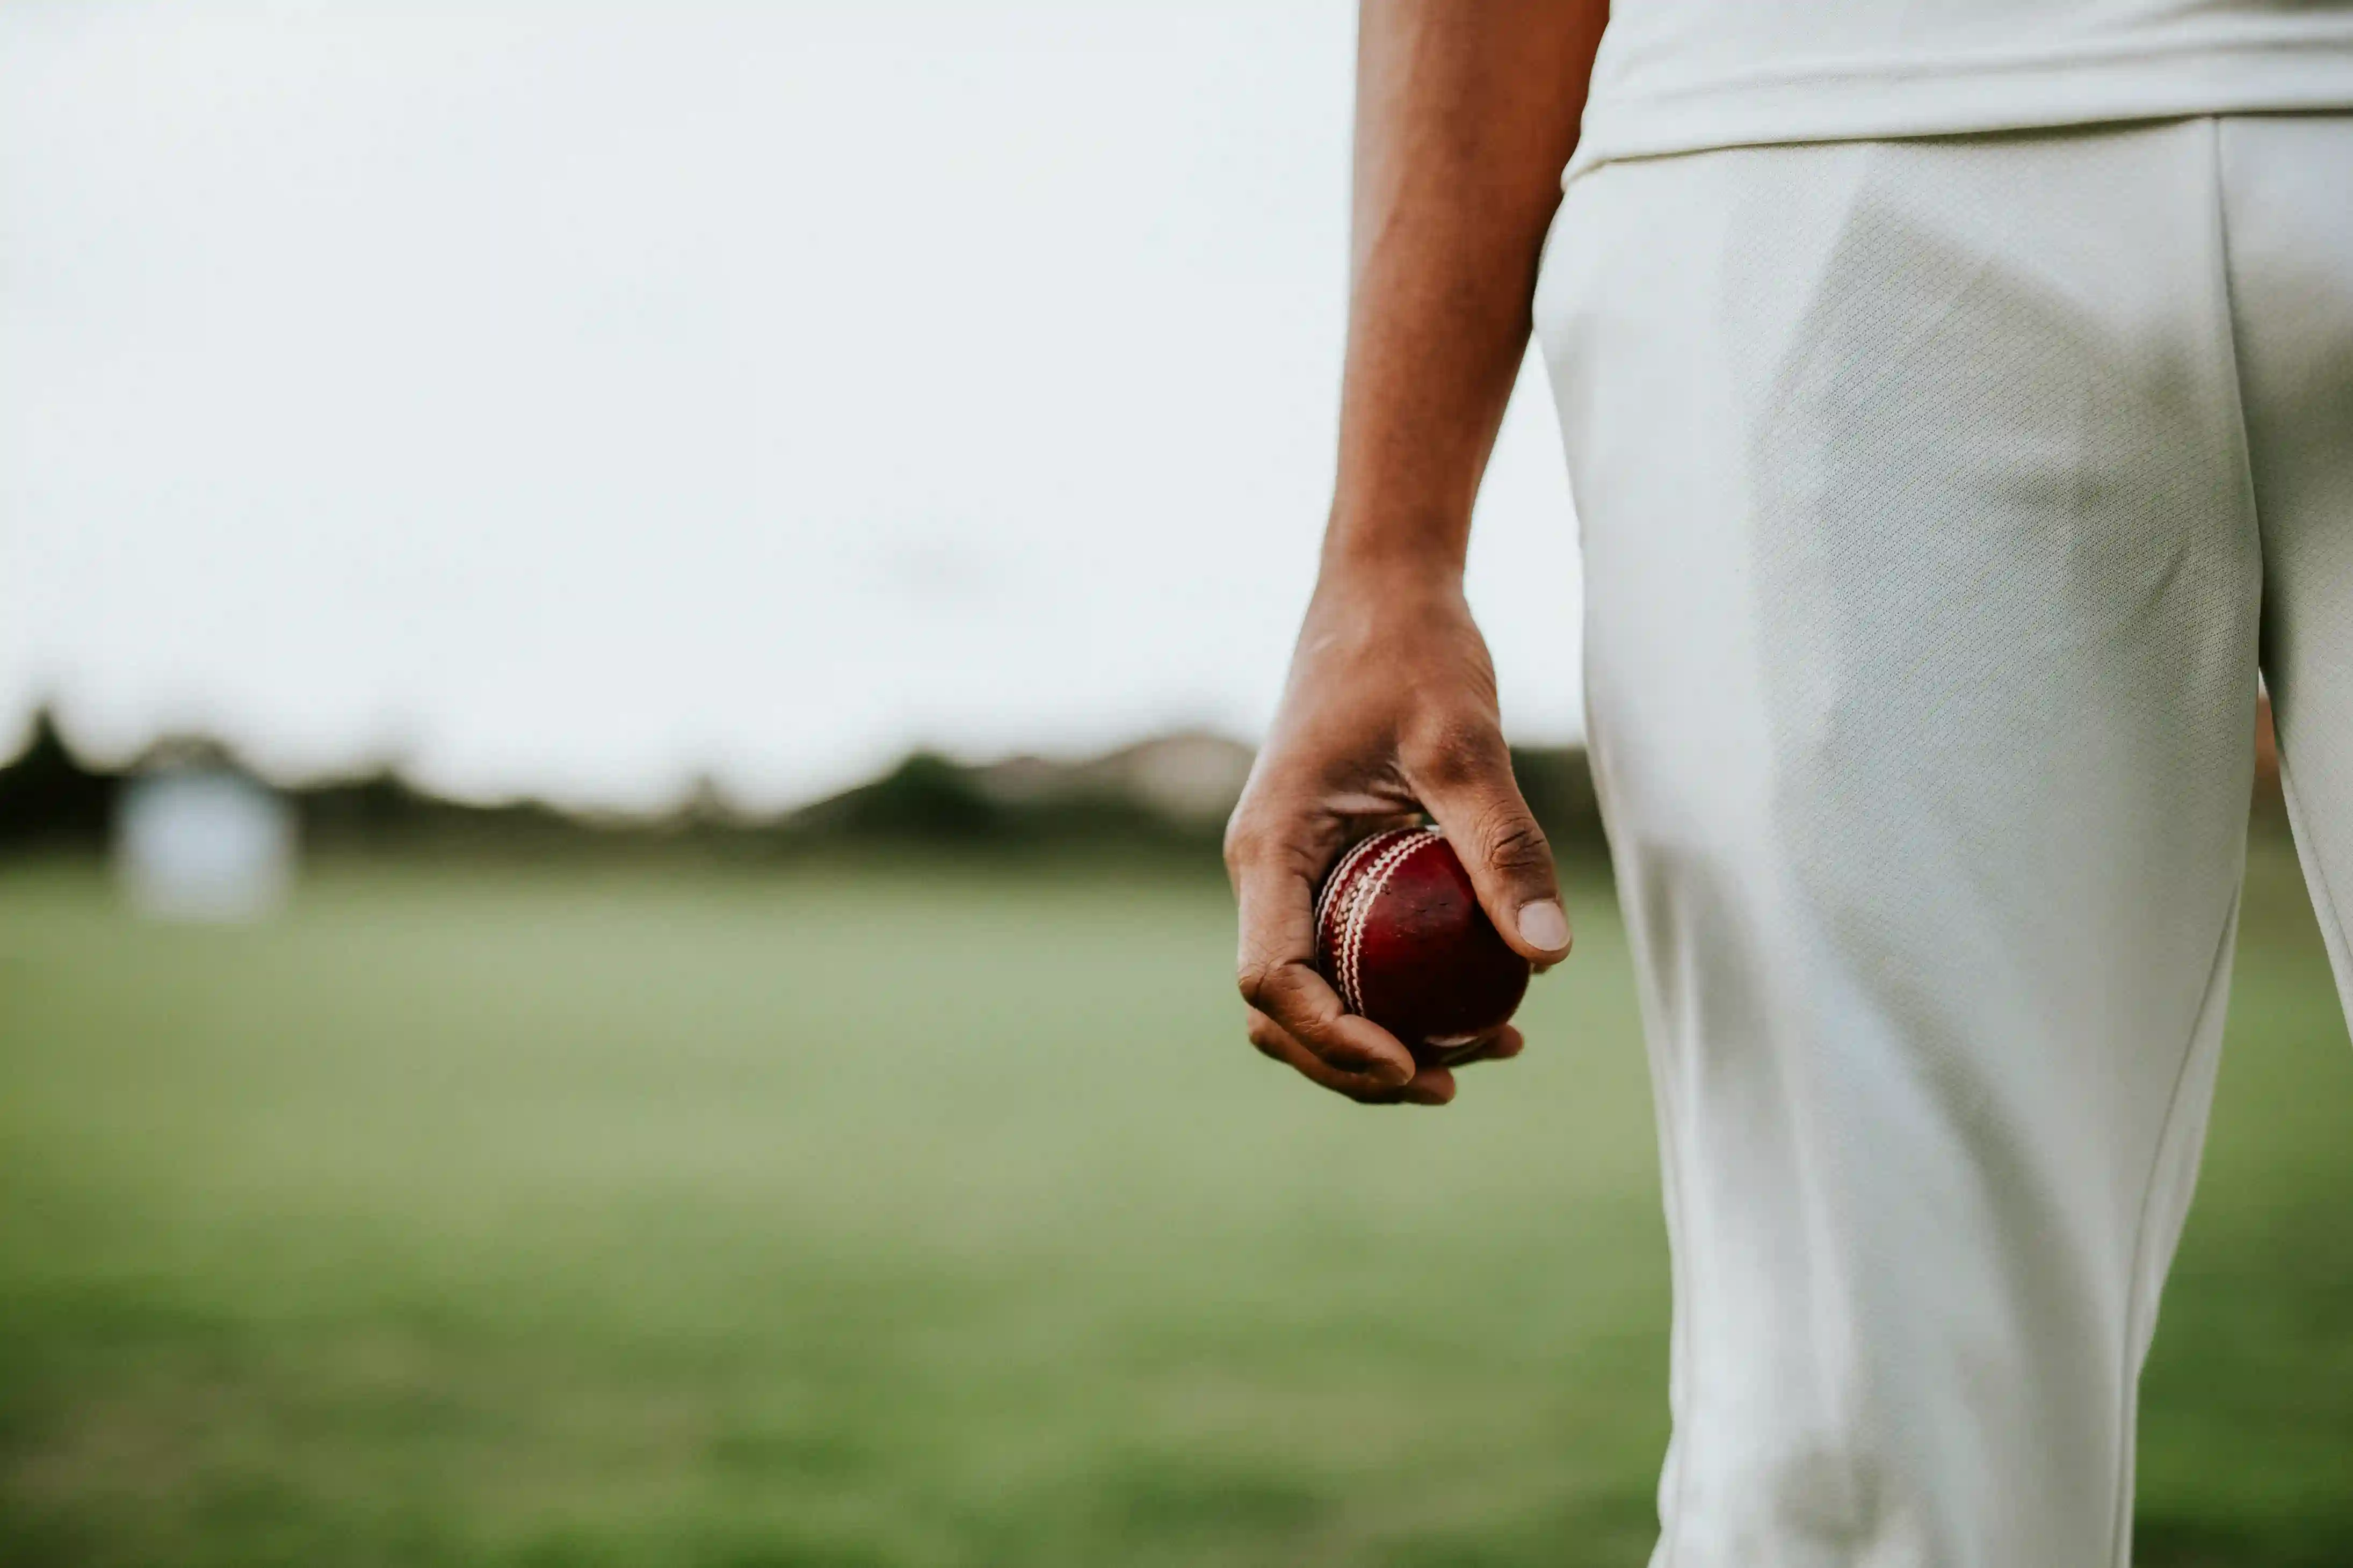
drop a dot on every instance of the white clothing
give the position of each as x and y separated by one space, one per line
1681 76
1936 497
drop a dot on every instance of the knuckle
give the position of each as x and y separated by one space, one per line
1259 983
1245 841
1263 842
1509 839
1310 1024
1456 752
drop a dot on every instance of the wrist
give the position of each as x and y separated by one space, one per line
1394 553
1384 598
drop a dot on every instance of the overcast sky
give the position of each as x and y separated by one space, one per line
571 399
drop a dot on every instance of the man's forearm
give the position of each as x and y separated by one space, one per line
1466 112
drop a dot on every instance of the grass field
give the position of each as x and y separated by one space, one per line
695 1217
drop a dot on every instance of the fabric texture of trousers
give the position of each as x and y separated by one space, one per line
1941 500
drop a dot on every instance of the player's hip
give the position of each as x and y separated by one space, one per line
1974 324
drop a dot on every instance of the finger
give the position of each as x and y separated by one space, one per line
1277 975
1468 787
1296 996
1428 1086
1499 1045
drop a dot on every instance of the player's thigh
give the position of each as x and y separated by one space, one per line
2288 200
1914 517
1922 590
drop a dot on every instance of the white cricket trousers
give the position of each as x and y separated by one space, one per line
1940 501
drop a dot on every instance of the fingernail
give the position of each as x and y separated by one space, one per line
1542 925
1392 1075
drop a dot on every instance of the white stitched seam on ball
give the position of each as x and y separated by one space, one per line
1379 843
1359 911
1348 888
1339 877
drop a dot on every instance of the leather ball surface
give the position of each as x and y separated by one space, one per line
1401 937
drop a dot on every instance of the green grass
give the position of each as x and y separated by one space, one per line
574 1216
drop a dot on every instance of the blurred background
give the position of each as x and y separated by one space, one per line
625 633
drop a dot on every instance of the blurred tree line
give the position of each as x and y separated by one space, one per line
1165 798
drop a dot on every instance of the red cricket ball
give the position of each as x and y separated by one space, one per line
1401 937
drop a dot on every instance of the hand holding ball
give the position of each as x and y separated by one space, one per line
1401 936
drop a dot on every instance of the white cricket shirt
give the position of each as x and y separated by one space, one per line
1677 76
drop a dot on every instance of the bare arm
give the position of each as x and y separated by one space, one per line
1466 112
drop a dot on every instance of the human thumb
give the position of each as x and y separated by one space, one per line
1487 820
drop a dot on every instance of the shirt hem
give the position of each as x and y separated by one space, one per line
1885 106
